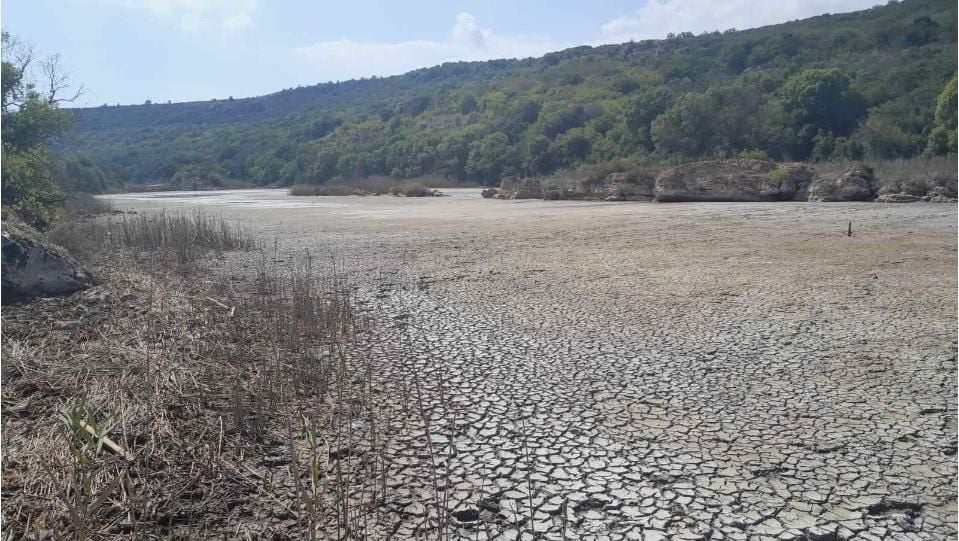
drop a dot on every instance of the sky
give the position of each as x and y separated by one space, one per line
129 51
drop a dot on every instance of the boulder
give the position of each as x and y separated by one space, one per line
33 269
734 180
489 193
897 198
521 188
856 183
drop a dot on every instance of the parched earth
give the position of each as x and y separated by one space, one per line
650 371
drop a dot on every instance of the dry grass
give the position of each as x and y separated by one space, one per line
199 384
172 403
183 237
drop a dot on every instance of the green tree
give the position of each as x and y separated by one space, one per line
821 100
942 138
32 92
488 158
642 109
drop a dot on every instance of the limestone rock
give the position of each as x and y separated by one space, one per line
521 188
856 183
32 269
734 180
897 198
623 187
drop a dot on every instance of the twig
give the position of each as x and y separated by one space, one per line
112 445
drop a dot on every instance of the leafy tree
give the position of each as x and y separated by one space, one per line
641 110
942 139
31 119
821 100
723 121
923 31
488 158
539 159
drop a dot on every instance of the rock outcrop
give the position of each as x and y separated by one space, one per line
520 188
856 183
623 187
734 180
32 269
917 191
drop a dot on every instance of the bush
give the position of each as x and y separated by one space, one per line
777 176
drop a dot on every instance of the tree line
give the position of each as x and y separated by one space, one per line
874 84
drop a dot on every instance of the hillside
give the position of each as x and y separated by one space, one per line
850 86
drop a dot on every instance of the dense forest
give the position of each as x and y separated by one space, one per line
873 84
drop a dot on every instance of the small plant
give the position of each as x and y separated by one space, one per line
82 497
777 176
87 435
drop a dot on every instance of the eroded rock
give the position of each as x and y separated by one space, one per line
521 188
734 180
857 183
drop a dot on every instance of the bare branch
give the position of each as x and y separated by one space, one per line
57 80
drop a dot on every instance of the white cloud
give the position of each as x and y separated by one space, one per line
195 16
466 30
345 58
657 18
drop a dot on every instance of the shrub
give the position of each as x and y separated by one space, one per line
777 176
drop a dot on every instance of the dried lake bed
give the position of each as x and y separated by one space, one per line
650 371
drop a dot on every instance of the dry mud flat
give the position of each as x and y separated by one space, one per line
640 371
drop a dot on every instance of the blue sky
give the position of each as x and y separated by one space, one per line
128 51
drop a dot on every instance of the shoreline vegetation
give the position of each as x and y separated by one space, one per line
379 185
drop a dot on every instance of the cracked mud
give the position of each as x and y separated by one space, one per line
637 371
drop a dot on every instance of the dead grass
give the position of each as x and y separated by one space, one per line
200 384
174 403
182 237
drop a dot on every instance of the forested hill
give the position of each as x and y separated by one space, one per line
873 84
